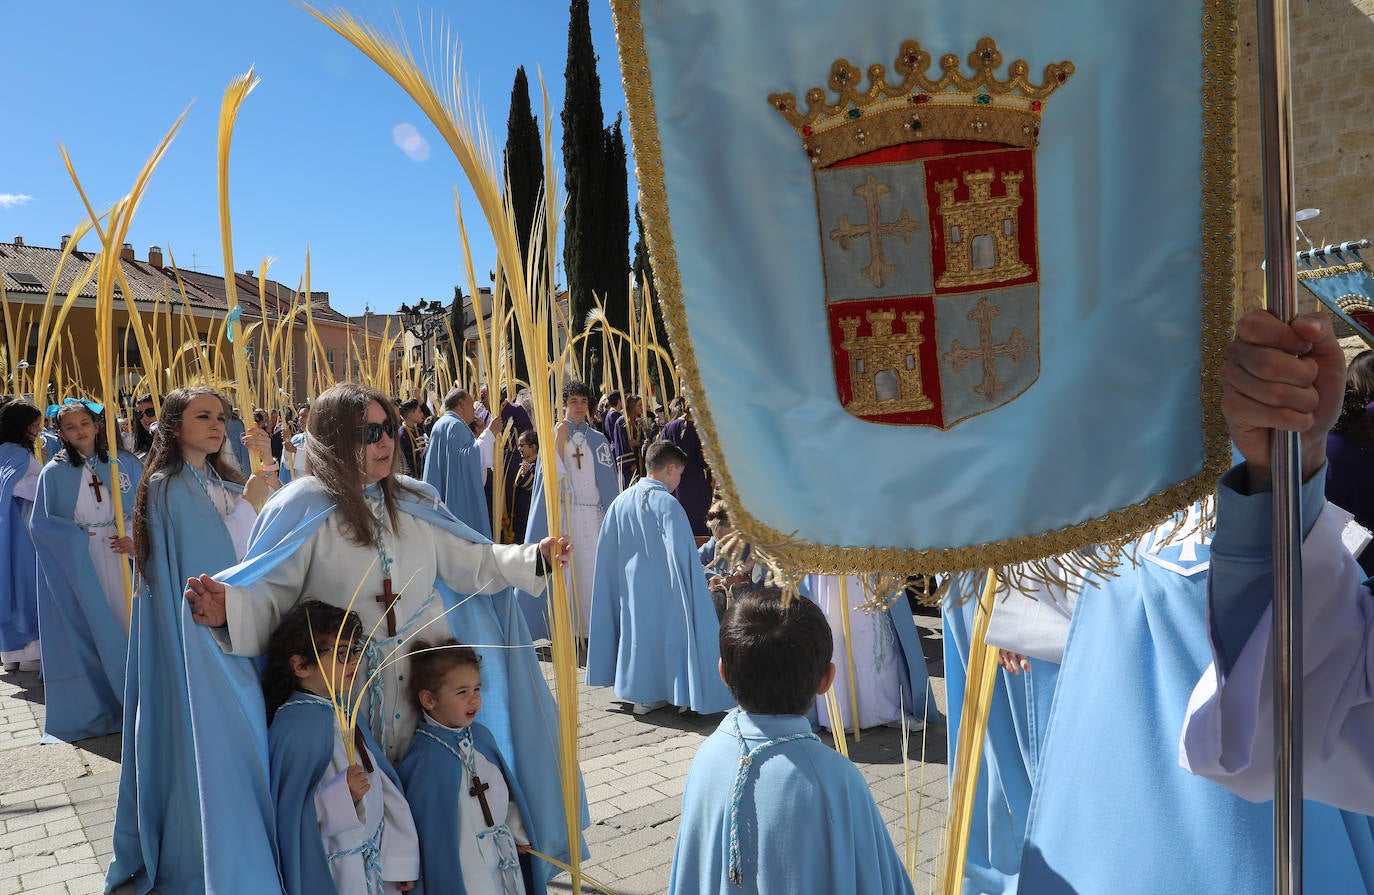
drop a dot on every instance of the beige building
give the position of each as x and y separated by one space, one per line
1333 128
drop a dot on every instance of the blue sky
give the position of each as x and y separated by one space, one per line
317 158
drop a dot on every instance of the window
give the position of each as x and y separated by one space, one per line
126 347
329 357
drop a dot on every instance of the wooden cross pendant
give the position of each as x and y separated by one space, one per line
95 487
387 598
577 455
478 790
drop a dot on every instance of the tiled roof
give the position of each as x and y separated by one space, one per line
278 295
40 263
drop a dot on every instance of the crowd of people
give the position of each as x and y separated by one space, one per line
328 555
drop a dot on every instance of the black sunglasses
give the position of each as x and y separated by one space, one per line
373 432
148 412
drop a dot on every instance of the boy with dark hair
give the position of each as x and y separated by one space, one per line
768 808
654 630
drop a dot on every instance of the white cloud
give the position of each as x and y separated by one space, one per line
9 200
410 142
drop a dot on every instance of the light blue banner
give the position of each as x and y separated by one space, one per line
1088 421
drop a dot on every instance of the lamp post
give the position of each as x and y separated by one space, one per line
424 321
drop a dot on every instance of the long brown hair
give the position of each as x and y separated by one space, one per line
165 460
334 454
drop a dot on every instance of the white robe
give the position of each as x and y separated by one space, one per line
345 826
98 517
583 515
878 664
1228 734
480 859
329 567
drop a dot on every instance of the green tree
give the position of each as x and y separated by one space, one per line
613 273
524 157
643 268
583 164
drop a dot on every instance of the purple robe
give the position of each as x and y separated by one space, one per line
627 458
694 492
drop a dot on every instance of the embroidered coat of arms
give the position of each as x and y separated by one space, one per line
926 211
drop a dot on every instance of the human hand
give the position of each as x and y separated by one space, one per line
123 545
259 488
259 442
556 550
1279 376
524 849
358 784
561 432
1012 662
207 601
405 887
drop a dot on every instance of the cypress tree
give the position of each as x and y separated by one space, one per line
525 178
583 164
644 275
614 267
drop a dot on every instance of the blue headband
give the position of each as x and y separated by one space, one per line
94 408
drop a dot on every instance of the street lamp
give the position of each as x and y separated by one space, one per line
424 321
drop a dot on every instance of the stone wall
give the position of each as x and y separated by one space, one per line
1333 129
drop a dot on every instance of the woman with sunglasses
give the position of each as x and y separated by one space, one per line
143 423
358 535
193 511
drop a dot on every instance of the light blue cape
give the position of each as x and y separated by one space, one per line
433 778
807 821
654 633
1136 648
300 745
157 833
453 466
84 647
19 574
231 731
1016 725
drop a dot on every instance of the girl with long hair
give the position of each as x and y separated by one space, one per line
342 826
193 511
20 425
81 594
358 535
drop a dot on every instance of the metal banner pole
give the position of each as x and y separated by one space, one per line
1281 284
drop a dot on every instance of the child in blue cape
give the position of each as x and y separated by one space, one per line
768 808
342 825
467 804
81 590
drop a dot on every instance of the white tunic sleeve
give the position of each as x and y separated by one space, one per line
334 806
255 610
1229 732
469 568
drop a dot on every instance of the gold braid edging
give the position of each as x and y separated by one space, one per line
1096 545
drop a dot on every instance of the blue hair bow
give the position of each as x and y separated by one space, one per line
94 408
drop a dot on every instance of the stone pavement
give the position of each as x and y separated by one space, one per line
57 800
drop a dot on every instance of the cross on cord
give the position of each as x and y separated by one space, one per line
94 483
389 599
577 455
478 790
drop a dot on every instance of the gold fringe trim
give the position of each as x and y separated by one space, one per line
1095 537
